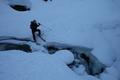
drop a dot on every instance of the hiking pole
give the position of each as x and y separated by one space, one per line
42 39
46 27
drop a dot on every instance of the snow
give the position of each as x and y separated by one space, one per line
66 56
111 74
90 23
80 70
16 65
35 47
18 2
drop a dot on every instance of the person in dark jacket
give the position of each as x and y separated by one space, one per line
34 25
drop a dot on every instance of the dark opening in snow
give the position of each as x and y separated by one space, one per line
20 7
82 55
13 46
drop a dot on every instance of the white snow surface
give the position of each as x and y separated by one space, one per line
65 56
17 65
90 23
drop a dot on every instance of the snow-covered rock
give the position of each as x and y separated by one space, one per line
64 55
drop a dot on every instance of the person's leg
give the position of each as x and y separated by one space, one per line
33 33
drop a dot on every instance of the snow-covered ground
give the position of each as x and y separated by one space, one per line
90 23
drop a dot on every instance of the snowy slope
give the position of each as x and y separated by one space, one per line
22 66
91 23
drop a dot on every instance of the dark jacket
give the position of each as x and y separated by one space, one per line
34 25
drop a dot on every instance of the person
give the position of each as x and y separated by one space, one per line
34 25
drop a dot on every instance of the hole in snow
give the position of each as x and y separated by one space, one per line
82 56
12 46
20 7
